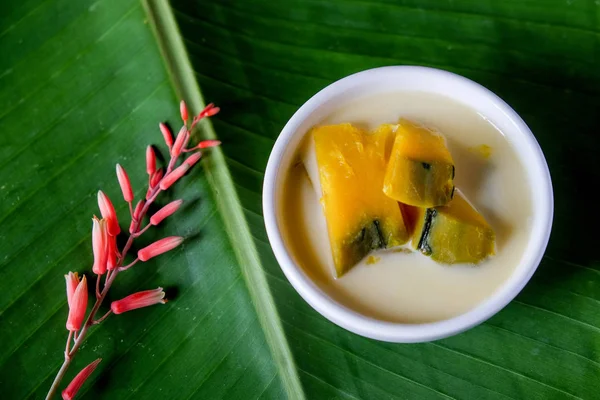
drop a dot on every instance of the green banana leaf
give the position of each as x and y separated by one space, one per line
83 85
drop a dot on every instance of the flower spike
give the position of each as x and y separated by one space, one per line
99 245
108 212
78 306
109 259
166 132
165 212
71 391
124 183
159 247
138 300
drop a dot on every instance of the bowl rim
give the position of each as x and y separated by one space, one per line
399 332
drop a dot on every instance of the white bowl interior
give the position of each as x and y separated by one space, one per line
395 79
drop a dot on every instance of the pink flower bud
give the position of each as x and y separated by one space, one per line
213 111
184 111
99 245
78 306
136 215
71 391
108 212
179 141
166 211
150 160
174 176
166 132
111 252
159 247
209 111
138 300
138 209
156 177
124 183
206 143
186 141
72 281
193 159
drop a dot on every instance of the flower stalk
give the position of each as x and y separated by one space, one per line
110 262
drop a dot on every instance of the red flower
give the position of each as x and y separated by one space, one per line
184 111
77 305
150 160
138 209
208 111
174 176
108 212
136 215
179 142
193 159
125 184
164 212
166 132
99 245
72 281
71 391
156 177
205 144
138 300
111 252
159 247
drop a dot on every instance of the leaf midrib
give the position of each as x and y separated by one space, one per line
219 178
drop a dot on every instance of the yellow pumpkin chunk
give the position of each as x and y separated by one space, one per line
454 233
360 218
421 170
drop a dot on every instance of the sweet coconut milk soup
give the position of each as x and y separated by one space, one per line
371 272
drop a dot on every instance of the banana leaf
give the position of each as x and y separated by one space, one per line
83 85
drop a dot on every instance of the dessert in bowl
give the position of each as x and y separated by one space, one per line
407 204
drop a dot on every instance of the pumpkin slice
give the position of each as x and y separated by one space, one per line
421 170
454 233
351 166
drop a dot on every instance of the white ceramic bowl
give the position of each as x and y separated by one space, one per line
409 78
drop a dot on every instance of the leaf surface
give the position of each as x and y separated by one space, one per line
83 86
